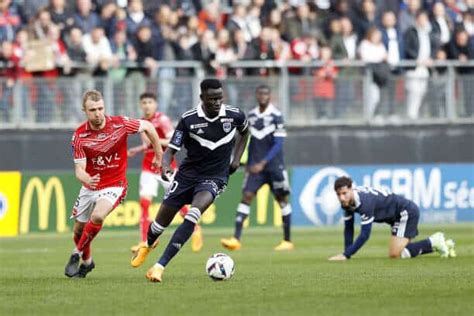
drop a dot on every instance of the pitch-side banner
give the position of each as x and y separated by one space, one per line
9 203
444 192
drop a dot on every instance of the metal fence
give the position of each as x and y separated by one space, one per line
413 94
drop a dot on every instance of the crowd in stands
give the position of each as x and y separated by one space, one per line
105 37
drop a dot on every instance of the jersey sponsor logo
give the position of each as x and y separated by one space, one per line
44 196
227 126
200 125
318 200
83 135
118 125
229 119
105 160
102 136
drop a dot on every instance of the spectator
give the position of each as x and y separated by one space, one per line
98 52
335 40
442 24
349 38
238 21
60 15
280 47
135 17
372 51
303 22
393 42
146 50
366 18
467 22
224 53
123 52
41 24
420 45
407 16
10 20
108 19
274 20
204 50
75 49
324 89
454 10
261 48
85 18
462 49
253 21
210 17
29 8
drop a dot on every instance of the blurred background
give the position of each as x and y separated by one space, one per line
384 90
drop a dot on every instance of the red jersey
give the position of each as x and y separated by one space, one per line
105 150
164 128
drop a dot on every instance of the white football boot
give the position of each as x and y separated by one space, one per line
439 245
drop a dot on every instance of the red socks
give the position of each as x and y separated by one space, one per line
86 253
144 222
89 233
184 210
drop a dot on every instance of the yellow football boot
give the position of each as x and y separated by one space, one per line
285 246
231 243
135 247
155 273
140 255
196 239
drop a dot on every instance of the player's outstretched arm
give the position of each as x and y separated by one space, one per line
360 241
239 148
84 177
154 139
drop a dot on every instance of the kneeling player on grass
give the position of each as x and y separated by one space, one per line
212 133
100 156
380 206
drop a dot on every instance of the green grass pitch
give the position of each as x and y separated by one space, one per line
302 282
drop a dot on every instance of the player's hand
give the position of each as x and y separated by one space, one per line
258 167
166 173
233 167
156 163
339 257
94 181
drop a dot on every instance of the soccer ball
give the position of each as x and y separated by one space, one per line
220 267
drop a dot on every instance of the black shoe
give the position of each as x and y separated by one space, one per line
72 267
84 269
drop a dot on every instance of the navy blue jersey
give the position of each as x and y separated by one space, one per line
265 128
209 141
377 205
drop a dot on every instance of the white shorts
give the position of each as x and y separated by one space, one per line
87 199
149 184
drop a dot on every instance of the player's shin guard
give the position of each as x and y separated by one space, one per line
154 231
144 222
243 211
90 231
286 218
180 236
417 248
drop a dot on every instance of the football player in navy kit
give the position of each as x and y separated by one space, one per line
265 165
381 206
212 134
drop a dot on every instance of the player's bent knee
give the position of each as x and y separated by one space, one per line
97 218
247 197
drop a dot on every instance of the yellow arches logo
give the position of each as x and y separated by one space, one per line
44 195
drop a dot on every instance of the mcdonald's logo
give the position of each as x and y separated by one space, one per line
44 195
262 207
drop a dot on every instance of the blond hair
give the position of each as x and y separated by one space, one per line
92 95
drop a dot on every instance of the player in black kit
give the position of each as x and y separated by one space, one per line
381 206
212 133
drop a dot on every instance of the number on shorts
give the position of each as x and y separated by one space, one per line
173 186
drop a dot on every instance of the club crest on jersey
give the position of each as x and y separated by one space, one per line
227 126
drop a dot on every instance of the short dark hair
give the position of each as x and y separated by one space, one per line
147 95
263 87
342 182
210 84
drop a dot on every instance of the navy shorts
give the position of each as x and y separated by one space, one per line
277 179
406 224
182 189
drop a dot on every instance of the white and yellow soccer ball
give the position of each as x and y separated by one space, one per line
220 267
